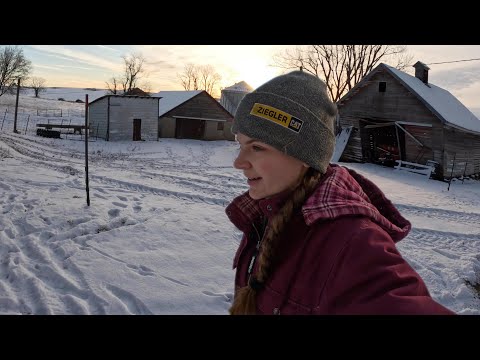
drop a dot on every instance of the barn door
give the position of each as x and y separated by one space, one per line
137 129
190 129
383 143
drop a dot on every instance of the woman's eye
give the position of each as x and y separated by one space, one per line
256 148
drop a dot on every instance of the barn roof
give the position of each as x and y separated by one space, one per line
440 101
172 99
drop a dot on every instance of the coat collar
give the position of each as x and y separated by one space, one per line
340 192
243 211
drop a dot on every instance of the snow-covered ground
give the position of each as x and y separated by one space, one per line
155 238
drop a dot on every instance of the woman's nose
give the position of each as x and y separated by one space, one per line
240 162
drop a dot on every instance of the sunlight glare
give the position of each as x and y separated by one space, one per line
254 71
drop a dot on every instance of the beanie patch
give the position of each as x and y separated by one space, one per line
292 113
277 116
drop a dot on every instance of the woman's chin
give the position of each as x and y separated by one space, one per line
255 194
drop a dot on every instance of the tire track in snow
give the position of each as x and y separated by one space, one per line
442 214
42 159
162 192
468 243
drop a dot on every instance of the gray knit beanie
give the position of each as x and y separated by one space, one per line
292 113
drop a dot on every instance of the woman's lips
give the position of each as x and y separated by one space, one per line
252 181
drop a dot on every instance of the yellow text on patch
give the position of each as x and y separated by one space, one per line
277 116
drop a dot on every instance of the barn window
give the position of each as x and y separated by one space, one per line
220 125
382 86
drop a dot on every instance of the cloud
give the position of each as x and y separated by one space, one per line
108 48
457 79
62 67
68 54
159 66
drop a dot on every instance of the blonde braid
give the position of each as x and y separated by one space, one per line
244 302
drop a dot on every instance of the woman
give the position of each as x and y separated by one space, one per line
318 238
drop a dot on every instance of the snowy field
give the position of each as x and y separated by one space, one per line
155 238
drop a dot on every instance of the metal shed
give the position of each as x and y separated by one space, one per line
119 117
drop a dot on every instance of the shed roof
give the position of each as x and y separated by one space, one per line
172 99
125 96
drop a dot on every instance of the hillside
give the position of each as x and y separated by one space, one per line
69 94
50 98
33 110
29 104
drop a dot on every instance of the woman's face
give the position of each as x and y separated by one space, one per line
268 171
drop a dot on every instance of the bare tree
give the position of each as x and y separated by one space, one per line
199 77
13 66
37 84
342 66
147 87
112 86
190 78
134 70
208 78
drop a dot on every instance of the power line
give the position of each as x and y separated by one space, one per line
448 62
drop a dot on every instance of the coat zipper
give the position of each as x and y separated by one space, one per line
257 249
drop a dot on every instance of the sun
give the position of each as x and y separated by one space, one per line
254 71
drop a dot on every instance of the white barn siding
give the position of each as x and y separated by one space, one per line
123 110
98 118
112 117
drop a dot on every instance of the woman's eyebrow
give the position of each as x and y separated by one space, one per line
248 141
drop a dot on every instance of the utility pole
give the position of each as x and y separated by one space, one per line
16 108
86 150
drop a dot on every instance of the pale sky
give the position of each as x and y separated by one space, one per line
155 238
93 65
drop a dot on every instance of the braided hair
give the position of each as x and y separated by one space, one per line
244 302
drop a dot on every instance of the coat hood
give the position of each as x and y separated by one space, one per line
340 192
344 192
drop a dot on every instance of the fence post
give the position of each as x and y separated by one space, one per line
26 126
86 151
16 108
451 172
465 170
4 116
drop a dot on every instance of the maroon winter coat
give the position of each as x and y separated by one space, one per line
337 255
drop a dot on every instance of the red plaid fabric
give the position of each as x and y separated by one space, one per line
341 192
344 192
